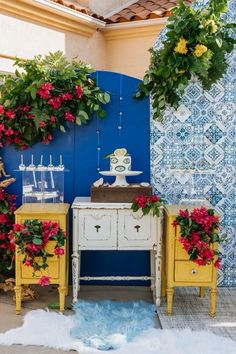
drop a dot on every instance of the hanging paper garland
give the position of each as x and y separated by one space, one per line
43 96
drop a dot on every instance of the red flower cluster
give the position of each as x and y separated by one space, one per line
147 204
199 230
7 249
44 97
31 239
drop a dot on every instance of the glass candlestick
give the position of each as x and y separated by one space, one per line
50 166
22 165
32 166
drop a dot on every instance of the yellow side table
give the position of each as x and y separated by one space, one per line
57 265
178 269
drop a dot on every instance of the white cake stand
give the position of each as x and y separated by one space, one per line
120 177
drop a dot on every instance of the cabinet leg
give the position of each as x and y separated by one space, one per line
169 296
18 299
213 293
158 276
152 269
62 294
202 291
75 275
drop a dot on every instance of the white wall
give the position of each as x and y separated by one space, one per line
25 39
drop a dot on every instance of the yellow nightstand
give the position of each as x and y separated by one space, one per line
178 269
58 265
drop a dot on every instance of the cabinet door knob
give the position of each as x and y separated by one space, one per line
97 227
137 227
194 271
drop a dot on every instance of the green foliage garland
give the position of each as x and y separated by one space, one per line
43 96
196 44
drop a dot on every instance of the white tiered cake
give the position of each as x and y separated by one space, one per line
120 161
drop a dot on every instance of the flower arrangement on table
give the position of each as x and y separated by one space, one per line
7 249
31 239
147 204
44 96
196 44
199 230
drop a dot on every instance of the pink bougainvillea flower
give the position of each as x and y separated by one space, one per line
52 119
78 91
141 201
9 132
30 116
27 263
44 280
2 127
44 93
10 114
59 251
154 199
47 86
1 109
55 102
218 264
69 117
42 124
66 96
47 138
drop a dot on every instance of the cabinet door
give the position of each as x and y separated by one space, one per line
136 231
97 229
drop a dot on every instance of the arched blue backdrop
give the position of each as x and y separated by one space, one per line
125 125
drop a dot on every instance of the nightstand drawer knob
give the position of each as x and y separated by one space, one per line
194 271
97 227
137 227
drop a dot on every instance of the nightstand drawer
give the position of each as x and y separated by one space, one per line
188 271
52 270
180 253
135 230
98 228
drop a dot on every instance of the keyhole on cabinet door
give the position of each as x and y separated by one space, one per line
97 227
137 227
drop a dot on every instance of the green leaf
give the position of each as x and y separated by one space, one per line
33 93
83 115
37 241
219 42
78 121
62 129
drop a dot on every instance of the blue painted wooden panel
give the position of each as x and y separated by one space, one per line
80 154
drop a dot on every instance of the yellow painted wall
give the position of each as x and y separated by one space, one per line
127 50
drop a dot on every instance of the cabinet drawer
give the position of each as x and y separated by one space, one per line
180 253
98 228
52 271
135 230
188 271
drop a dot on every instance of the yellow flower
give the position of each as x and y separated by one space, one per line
212 24
200 49
181 46
181 71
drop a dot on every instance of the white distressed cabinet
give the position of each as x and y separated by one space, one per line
113 226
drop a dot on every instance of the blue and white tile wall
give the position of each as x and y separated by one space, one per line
201 135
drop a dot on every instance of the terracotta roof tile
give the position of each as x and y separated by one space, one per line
140 10
78 8
144 10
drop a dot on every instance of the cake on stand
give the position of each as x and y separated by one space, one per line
120 180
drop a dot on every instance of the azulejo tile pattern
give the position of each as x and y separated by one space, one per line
201 134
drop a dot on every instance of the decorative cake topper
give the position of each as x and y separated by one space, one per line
5 183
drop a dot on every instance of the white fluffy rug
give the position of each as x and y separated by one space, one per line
51 329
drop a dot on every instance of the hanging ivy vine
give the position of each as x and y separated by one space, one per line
44 95
196 44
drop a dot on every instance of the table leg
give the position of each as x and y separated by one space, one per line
75 274
62 294
169 297
201 291
18 298
213 302
158 276
152 269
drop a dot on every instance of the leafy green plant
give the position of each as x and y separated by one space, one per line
43 96
196 44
